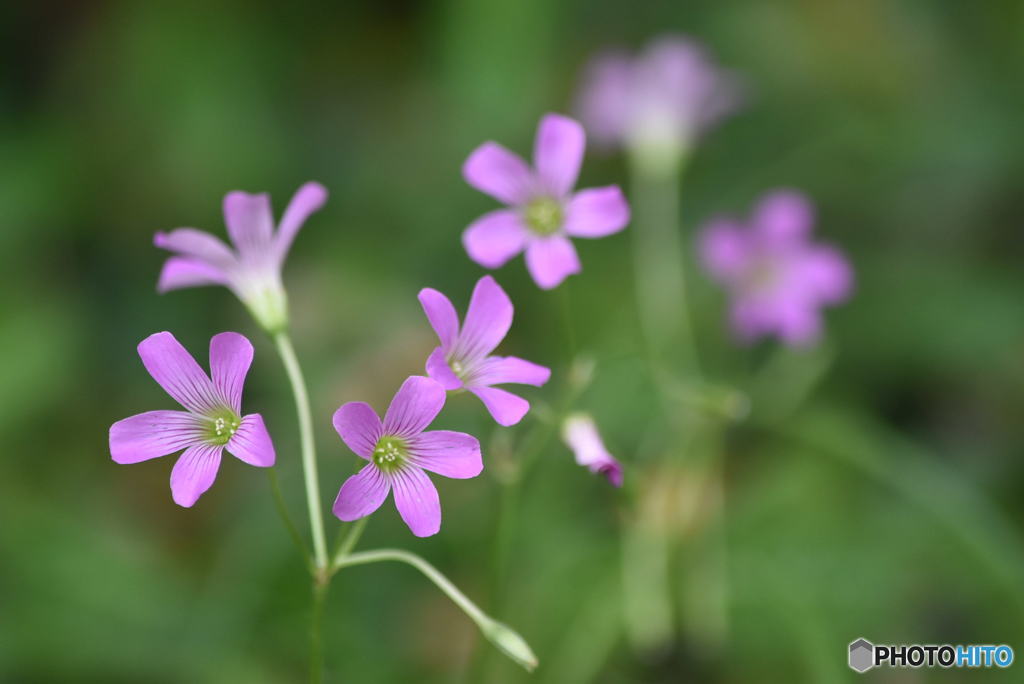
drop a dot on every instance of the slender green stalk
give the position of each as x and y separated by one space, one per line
309 468
348 542
282 510
316 648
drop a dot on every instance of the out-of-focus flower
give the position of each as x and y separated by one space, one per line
777 278
543 211
580 434
211 423
399 451
658 102
253 269
463 360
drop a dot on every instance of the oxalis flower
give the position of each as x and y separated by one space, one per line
580 434
777 278
399 451
211 423
463 360
543 211
252 270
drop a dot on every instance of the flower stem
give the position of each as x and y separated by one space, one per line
316 520
316 649
282 510
348 542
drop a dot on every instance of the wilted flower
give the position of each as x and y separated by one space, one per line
657 102
776 277
398 451
543 211
211 423
463 360
253 269
580 434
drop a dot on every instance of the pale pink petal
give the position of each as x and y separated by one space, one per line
558 153
153 434
783 216
439 370
596 212
251 442
551 260
827 273
194 473
605 102
197 244
580 434
416 404
798 324
249 220
494 238
487 321
506 408
498 370
307 199
230 358
180 272
441 314
725 250
447 453
362 494
501 174
178 373
359 427
417 501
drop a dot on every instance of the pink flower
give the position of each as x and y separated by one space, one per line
777 278
399 451
580 434
463 360
253 269
543 212
211 423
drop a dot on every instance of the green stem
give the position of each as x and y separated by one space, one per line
316 649
348 542
309 471
282 510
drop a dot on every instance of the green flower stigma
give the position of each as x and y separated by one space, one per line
223 426
544 216
390 453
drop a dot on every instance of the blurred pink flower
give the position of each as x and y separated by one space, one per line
463 359
399 451
253 269
211 423
543 211
580 434
777 278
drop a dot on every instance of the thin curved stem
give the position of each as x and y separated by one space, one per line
309 468
282 510
348 542
316 648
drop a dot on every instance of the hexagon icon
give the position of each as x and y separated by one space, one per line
862 655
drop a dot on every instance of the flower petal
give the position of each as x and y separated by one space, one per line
194 473
439 370
251 443
487 321
417 501
198 244
494 238
580 434
153 434
177 372
500 173
359 427
605 102
230 358
447 453
725 250
798 324
416 404
307 199
783 216
498 370
551 260
827 273
179 272
441 314
506 408
249 220
596 212
558 153
361 494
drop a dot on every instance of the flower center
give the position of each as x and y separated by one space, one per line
390 453
762 276
222 426
543 216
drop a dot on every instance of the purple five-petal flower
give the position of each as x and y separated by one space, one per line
399 451
580 434
253 269
463 360
777 279
211 423
543 212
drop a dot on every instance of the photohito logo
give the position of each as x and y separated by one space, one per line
864 655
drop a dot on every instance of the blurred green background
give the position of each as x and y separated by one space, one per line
886 504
